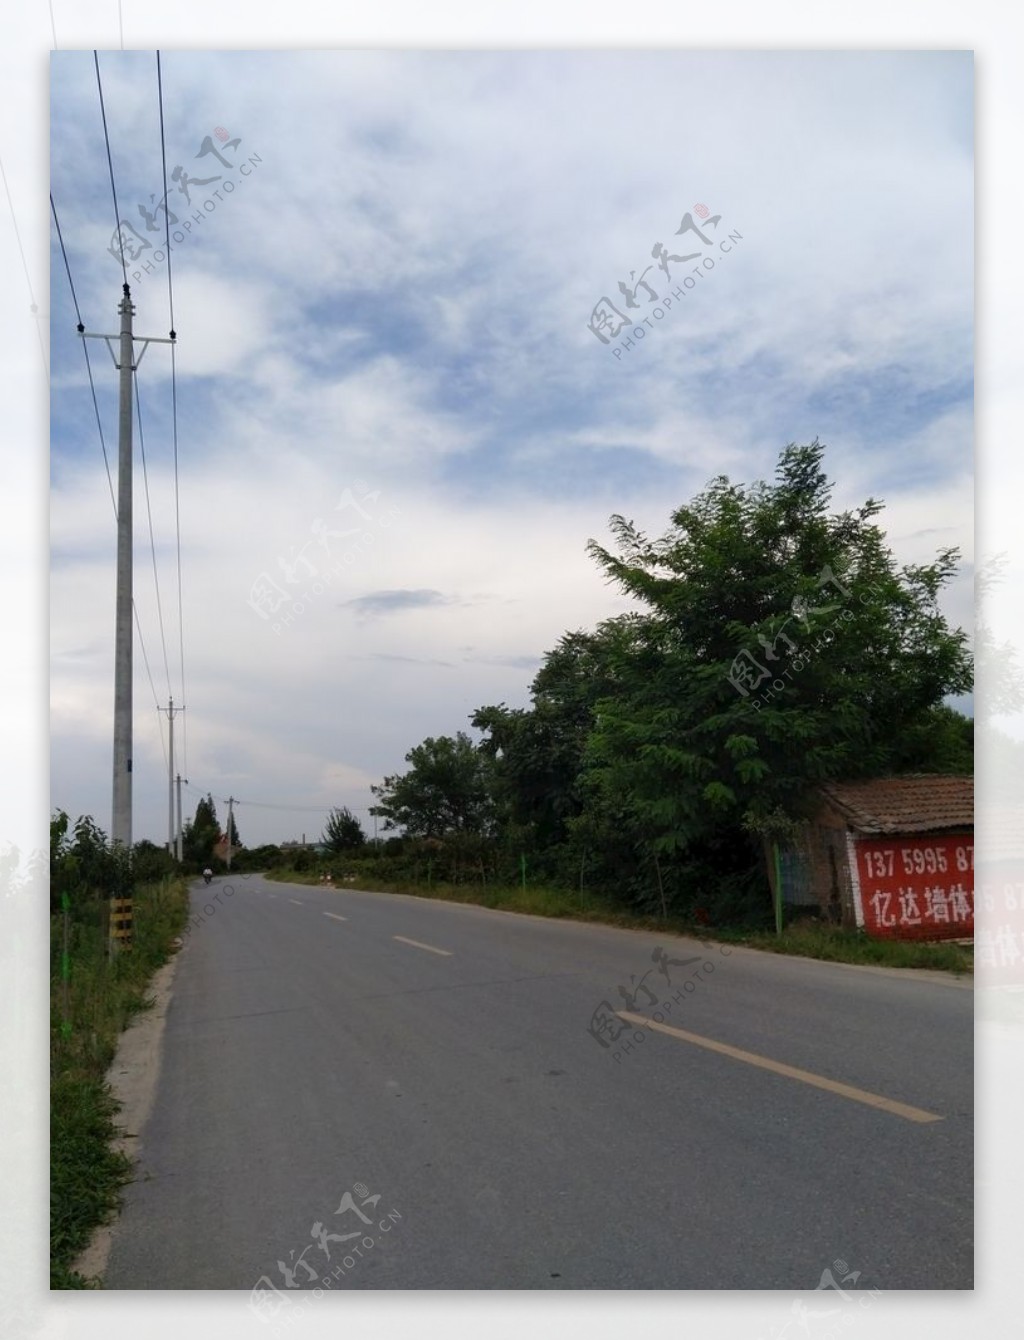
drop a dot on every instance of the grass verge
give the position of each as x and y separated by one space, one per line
837 945
807 939
87 1015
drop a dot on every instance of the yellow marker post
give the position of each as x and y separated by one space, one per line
121 922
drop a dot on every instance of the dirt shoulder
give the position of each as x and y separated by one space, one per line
133 1077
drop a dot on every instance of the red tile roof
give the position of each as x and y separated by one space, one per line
913 804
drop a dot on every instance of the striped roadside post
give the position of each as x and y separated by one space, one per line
121 923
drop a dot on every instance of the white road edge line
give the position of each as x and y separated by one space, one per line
335 916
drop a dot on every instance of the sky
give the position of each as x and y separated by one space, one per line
396 426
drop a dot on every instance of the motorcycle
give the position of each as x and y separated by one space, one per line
207 877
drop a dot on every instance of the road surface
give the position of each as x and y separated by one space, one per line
384 1092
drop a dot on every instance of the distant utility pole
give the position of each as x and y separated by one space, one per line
171 834
179 848
231 801
121 827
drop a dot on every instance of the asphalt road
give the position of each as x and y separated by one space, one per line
426 1076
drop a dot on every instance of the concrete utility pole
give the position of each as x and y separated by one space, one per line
121 826
231 801
170 775
179 850
171 836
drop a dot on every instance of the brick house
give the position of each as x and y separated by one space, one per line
893 855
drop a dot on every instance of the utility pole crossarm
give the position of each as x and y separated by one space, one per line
152 339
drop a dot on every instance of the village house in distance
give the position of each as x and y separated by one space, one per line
893 856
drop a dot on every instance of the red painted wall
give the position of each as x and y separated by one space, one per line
916 888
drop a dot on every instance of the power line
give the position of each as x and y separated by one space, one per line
124 272
85 350
149 673
177 542
163 164
103 444
67 267
268 805
152 541
174 411
81 331
110 165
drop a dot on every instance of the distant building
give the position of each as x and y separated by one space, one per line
893 856
319 848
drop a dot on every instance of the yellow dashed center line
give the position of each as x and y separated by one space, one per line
419 945
790 1071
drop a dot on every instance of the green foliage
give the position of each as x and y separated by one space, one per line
199 836
343 832
940 740
655 760
536 756
811 938
83 864
265 857
303 858
860 658
151 863
444 792
85 1172
93 996
232 833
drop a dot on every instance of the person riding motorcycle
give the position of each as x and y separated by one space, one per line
207 874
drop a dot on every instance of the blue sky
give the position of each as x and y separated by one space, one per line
393 302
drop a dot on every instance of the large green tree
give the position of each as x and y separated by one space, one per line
783 646
199 836
444 793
